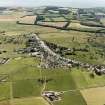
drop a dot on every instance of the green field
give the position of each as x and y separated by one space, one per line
30 101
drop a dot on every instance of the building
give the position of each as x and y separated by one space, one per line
99 16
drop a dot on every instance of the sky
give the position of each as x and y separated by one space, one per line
65 3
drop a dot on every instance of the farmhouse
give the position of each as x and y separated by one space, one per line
51 95
74 10
63 10
53 11
3 60
99 16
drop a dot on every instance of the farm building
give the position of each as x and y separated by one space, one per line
99 16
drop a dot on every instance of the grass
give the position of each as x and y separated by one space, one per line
12 28
28 20
62 80
94 96
64 38
26 73
26 88
103 21
30 101
14 65
57 76
53 24
4 91
82 79
4 103
78 26
55 19
72 98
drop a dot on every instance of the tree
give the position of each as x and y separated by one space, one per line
92 75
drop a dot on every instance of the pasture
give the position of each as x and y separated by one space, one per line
103 21
53 24
94 96
30 101
28 20
78 26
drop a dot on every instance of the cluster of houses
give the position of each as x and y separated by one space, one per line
57 10
99 15
3 60
51 95
51 59
61 50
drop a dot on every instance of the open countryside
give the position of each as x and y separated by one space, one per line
52 55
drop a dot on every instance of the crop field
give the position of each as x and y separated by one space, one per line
7 18
30 101
66 85
27 19
82 27
53 24
103 21
13 16
94 96
26 88
55 19
11 28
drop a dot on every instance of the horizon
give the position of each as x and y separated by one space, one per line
66 3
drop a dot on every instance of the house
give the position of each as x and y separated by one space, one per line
53 11
99 16
51 95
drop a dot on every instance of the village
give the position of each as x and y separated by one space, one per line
49 59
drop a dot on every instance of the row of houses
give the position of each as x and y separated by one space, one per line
3 60
50 59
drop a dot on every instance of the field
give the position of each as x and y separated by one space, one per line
53 24
13 16
103 21
30 101
7 18
55 19
78 26
27 20
94 96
